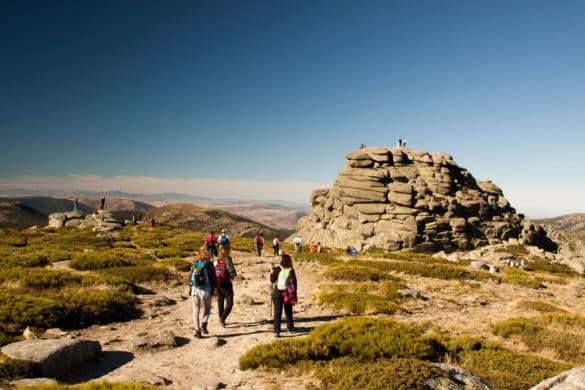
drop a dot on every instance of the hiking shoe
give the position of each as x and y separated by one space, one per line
204 329
222 323
291 330
277 335
198 334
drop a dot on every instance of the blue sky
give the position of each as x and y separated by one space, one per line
262 99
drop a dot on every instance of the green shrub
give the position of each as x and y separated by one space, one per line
355 272
363 339
321 258
358 303
520 278
17 311
141 274
396 374
176 263
24 260
171 252
39 279
505 370
97 260
430 270
540 306
11 369
542 265
88 307
560 332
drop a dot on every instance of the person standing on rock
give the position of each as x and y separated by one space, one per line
259 242
102 203
224 273
75 204
284 294
203 283
210 243
298 242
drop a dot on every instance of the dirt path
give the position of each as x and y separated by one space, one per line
211 362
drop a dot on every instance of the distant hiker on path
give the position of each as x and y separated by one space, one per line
259 241
203 282
224 273
224 241
298 242
75 204
284 294
210 243
276 245
103 203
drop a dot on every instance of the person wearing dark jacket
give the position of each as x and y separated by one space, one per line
284 293
202 289
224 273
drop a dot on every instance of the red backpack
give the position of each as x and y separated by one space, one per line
221 273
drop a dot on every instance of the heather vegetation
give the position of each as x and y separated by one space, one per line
377 353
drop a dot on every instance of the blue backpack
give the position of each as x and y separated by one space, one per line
223 240
198 277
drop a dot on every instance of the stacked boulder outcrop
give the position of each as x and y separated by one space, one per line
397 198
100 221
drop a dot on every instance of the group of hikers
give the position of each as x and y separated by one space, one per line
213 271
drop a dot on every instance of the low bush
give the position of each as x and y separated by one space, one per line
321 258
141 273
430 270
24 260
164 253
97 260
39 279
11 369
539 306
559 332
520 278
358 303
363 339
542 265
396 374
176 263
356 272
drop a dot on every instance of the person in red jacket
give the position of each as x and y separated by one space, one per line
210 243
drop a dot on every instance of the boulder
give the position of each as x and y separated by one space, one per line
160 340
459 379
569 380
54 358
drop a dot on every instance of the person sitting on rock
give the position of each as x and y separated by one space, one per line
312 248
319 248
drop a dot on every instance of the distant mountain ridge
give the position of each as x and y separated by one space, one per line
204 219
19 215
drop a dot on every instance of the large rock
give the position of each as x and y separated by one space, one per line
397 198
569 380
54 357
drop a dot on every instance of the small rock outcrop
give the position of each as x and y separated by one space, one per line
54 357
396 198
100 221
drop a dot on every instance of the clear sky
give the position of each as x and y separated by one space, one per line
262 99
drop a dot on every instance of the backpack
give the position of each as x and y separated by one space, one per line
221 273
224 241
198 275
284 279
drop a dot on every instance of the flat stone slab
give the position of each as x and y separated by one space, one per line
54 357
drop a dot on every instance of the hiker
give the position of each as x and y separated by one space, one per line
151 223
353 251
133 219
298 242
224 241
103 203
259 241
210 243
284 294
75 204
348 250
319 248
224 273
203 283
276 245
312 248
399 143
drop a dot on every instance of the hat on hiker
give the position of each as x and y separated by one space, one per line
223 230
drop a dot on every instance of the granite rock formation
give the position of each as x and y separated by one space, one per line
397 198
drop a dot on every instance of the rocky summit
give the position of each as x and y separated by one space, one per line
398 198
